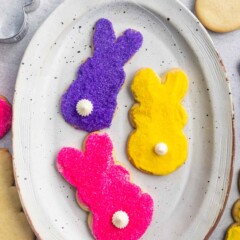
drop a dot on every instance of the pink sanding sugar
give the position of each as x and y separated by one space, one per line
105 188
5 116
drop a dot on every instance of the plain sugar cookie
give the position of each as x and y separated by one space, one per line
13 222
219 15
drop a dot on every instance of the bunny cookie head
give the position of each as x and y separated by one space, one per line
158 144
119 209
91 100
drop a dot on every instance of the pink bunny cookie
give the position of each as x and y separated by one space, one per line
118 208
5 116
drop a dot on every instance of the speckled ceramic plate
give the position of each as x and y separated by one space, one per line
189 202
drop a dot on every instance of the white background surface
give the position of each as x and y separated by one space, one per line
227 45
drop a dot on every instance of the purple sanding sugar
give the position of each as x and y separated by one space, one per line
100 77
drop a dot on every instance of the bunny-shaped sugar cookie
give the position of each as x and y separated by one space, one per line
91 100
158 144
118 208
5 116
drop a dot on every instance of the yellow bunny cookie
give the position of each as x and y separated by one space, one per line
233 232
158 144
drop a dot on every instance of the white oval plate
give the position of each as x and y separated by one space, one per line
188 202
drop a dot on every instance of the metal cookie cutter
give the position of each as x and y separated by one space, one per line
13 19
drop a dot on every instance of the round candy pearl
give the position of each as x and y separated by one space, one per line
84 107
120 219
161 149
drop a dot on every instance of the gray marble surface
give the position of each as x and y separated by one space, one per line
228 46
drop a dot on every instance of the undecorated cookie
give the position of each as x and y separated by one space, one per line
158 145
219 15
13 223
236 211
118 208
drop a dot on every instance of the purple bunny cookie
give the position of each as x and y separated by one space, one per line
90 101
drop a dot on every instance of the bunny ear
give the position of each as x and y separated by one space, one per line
144 86
104 35
68 164
127 45
176 83
99 149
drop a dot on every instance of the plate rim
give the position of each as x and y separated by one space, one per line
207 35
211 44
